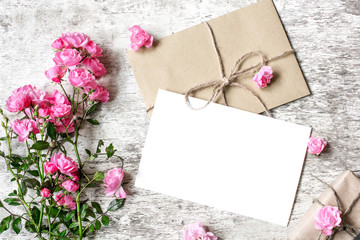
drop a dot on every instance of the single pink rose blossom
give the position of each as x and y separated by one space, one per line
196 231
45 193
80 77
100 94
18 101
316 145
93 49
113 181
263 77
66 201
38 97
60 110
49 168
70 186
64 164
67 57
58 98
94 65
65 125
55 73
139 37
327 219
75 39
23 128
58 44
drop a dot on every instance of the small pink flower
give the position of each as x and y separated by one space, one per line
38 97
45 193
93 49
70 186
55 73
80 77
23 128
67 57
58 44
65 125
316 145
75 39
327 218
113 181
100 94
139 37
44 112
18 101
94 65
196 231
64 164
66 201
263 77
49 168
60 110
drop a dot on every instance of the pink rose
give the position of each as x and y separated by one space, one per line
100 94
94 65
70 186
80 77
263 77
67 57
58 98
316 145
139 37
23 128
327 218
18 101
75 39
49 168
65 125
44 112
60 110
55 73
58 44
196 231
66 201
93 49
38 97
113 181
64 164
45 193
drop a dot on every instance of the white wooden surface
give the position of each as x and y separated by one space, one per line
324 33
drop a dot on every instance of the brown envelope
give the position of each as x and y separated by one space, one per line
347 186
180 61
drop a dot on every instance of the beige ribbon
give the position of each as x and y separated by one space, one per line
219 86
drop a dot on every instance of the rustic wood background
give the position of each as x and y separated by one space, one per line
324 33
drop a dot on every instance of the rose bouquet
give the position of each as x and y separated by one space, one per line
49 175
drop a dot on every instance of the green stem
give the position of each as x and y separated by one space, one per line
67 96
78 215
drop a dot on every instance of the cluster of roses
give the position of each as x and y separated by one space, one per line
66 173
39 106
76 53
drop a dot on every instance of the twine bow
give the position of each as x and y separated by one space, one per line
350 229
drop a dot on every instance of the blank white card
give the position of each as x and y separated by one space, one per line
223 157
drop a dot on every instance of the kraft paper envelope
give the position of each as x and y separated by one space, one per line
223 157
180 61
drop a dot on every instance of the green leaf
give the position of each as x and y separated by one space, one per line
115 204
16 225
69 216
1 204
35 214
14 193
88 152
53 211
40 145
5 224
105 220
12 201
23 188
93 121
110 151
90 213
24 166
51 130
2 154
35 173
3 139
91 228
97 207
100 144
74 224
30 227
32 183
97 225
63 233
83 211
98 176
91 109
